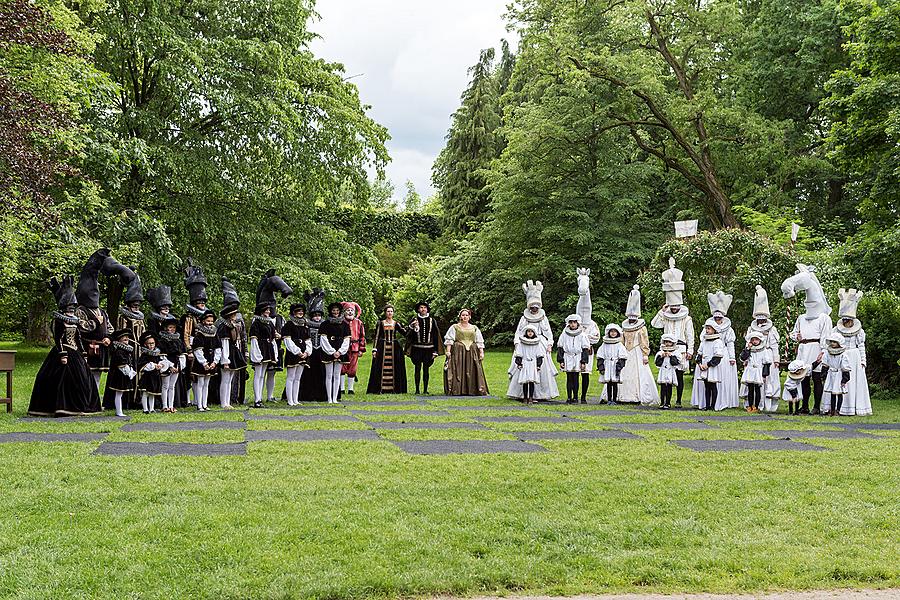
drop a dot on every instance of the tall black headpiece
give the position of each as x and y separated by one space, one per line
195 282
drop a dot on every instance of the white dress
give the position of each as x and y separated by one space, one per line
857 400
707 351
666 374
792 384
835 365
546 387
772 388
572 345
529 351
682 327
811 330
728 384
610 353
637 378
753 370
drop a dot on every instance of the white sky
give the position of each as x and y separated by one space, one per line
409 59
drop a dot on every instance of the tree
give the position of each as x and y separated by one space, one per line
472 143
412 201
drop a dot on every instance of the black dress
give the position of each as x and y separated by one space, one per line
278 365
208 343
298 332
172 345
237 345
64 389
312 386
120 355
263 330
95 326
388 375
335 330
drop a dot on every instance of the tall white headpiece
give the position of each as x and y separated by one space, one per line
673 284
761 304
719 302
533 291
633 309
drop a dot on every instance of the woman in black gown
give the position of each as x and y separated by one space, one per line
388 375
64 385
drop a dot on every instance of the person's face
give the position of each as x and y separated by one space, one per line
201 304
762 322
317 317
266 312
848 322
134 306
718 318
298 314
70 309
124 339
834 344
632 319
534 309
755 341
209 320
464 317
613 333
710 330
350 313
232 317
674 309
164 310
573 325
150 344
335 312
529 333
423 310
389 313
170 328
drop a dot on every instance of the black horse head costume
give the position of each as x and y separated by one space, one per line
230 301
88 290
268 286
195 282
63 291
315 301
134 293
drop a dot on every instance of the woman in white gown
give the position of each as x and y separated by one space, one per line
856 400
637 379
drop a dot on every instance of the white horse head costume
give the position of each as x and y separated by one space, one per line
805 280
585 308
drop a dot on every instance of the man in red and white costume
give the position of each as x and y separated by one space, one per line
352 312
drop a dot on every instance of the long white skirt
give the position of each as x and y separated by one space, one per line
856 399
637 380
728 386
772 389
545 389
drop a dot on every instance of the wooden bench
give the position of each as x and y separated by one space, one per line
7 364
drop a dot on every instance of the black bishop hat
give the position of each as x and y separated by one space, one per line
159 296
135 290
63 291
230 301
195 282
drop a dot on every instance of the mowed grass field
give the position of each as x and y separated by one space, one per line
356 519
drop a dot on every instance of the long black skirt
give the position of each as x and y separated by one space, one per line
392 380
312 384
64 390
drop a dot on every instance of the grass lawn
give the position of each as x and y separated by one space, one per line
354 519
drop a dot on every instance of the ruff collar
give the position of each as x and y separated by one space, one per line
836 351
148 351
534 318
67 319
726 323
160 317
764 329
208 330
123 346
194 311
847 332
134 315
266 320
572 332
529 341
298 321
682 314
169 337
626 326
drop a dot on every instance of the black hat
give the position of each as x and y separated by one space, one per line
261 308
159 297
63 291
134 293
230 301
297 306
423 303
207 313
146 336
121 333
315 301
268 285
168 320
88 291
336 305
195 282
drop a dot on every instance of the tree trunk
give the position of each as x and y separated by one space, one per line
37 331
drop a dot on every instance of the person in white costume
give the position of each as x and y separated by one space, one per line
573 354
674 319
757 361
762 323
637 378
837 374
611 359
810 331
727 394
793 385
857 400
545 388
667 360
528 362
585 309
710 355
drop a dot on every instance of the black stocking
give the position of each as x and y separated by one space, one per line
679 376
418 375
585 382
712 392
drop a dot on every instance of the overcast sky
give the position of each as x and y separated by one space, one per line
409 59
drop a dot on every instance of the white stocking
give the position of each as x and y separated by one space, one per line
204 392
270 385
118 403
332 381
343 382
289 385
173 381
96 375
259 382
350 381
297 380
225 388
144 402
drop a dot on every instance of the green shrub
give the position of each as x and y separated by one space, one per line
879 312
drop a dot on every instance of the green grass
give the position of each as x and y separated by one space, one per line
363 519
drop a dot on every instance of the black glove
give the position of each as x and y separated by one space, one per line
767 368
519 361
715 360
601 364
620 364
845 377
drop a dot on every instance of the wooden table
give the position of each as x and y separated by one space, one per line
7 364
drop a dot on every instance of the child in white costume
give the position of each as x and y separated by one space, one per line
637 378
572 354
757 361
837 368
762 324
534 315
528 360
857 400
719 303
674 319
667 360
793 385
709 365
611 359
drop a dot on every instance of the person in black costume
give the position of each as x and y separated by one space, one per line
313 386
234 346
160 298
263 350
388 374
150 366
295 335
424 344
207 354
95 324
131 318
64 385
269 285
121 377
334 337
195 282
171 344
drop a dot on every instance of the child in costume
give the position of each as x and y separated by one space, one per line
119 380
334 336
837 368
263 350
667 360
757 361
234 361
172 346
709 361
528 359
611 359
793 385
573 350
207 353
675 319
295 335
150 365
